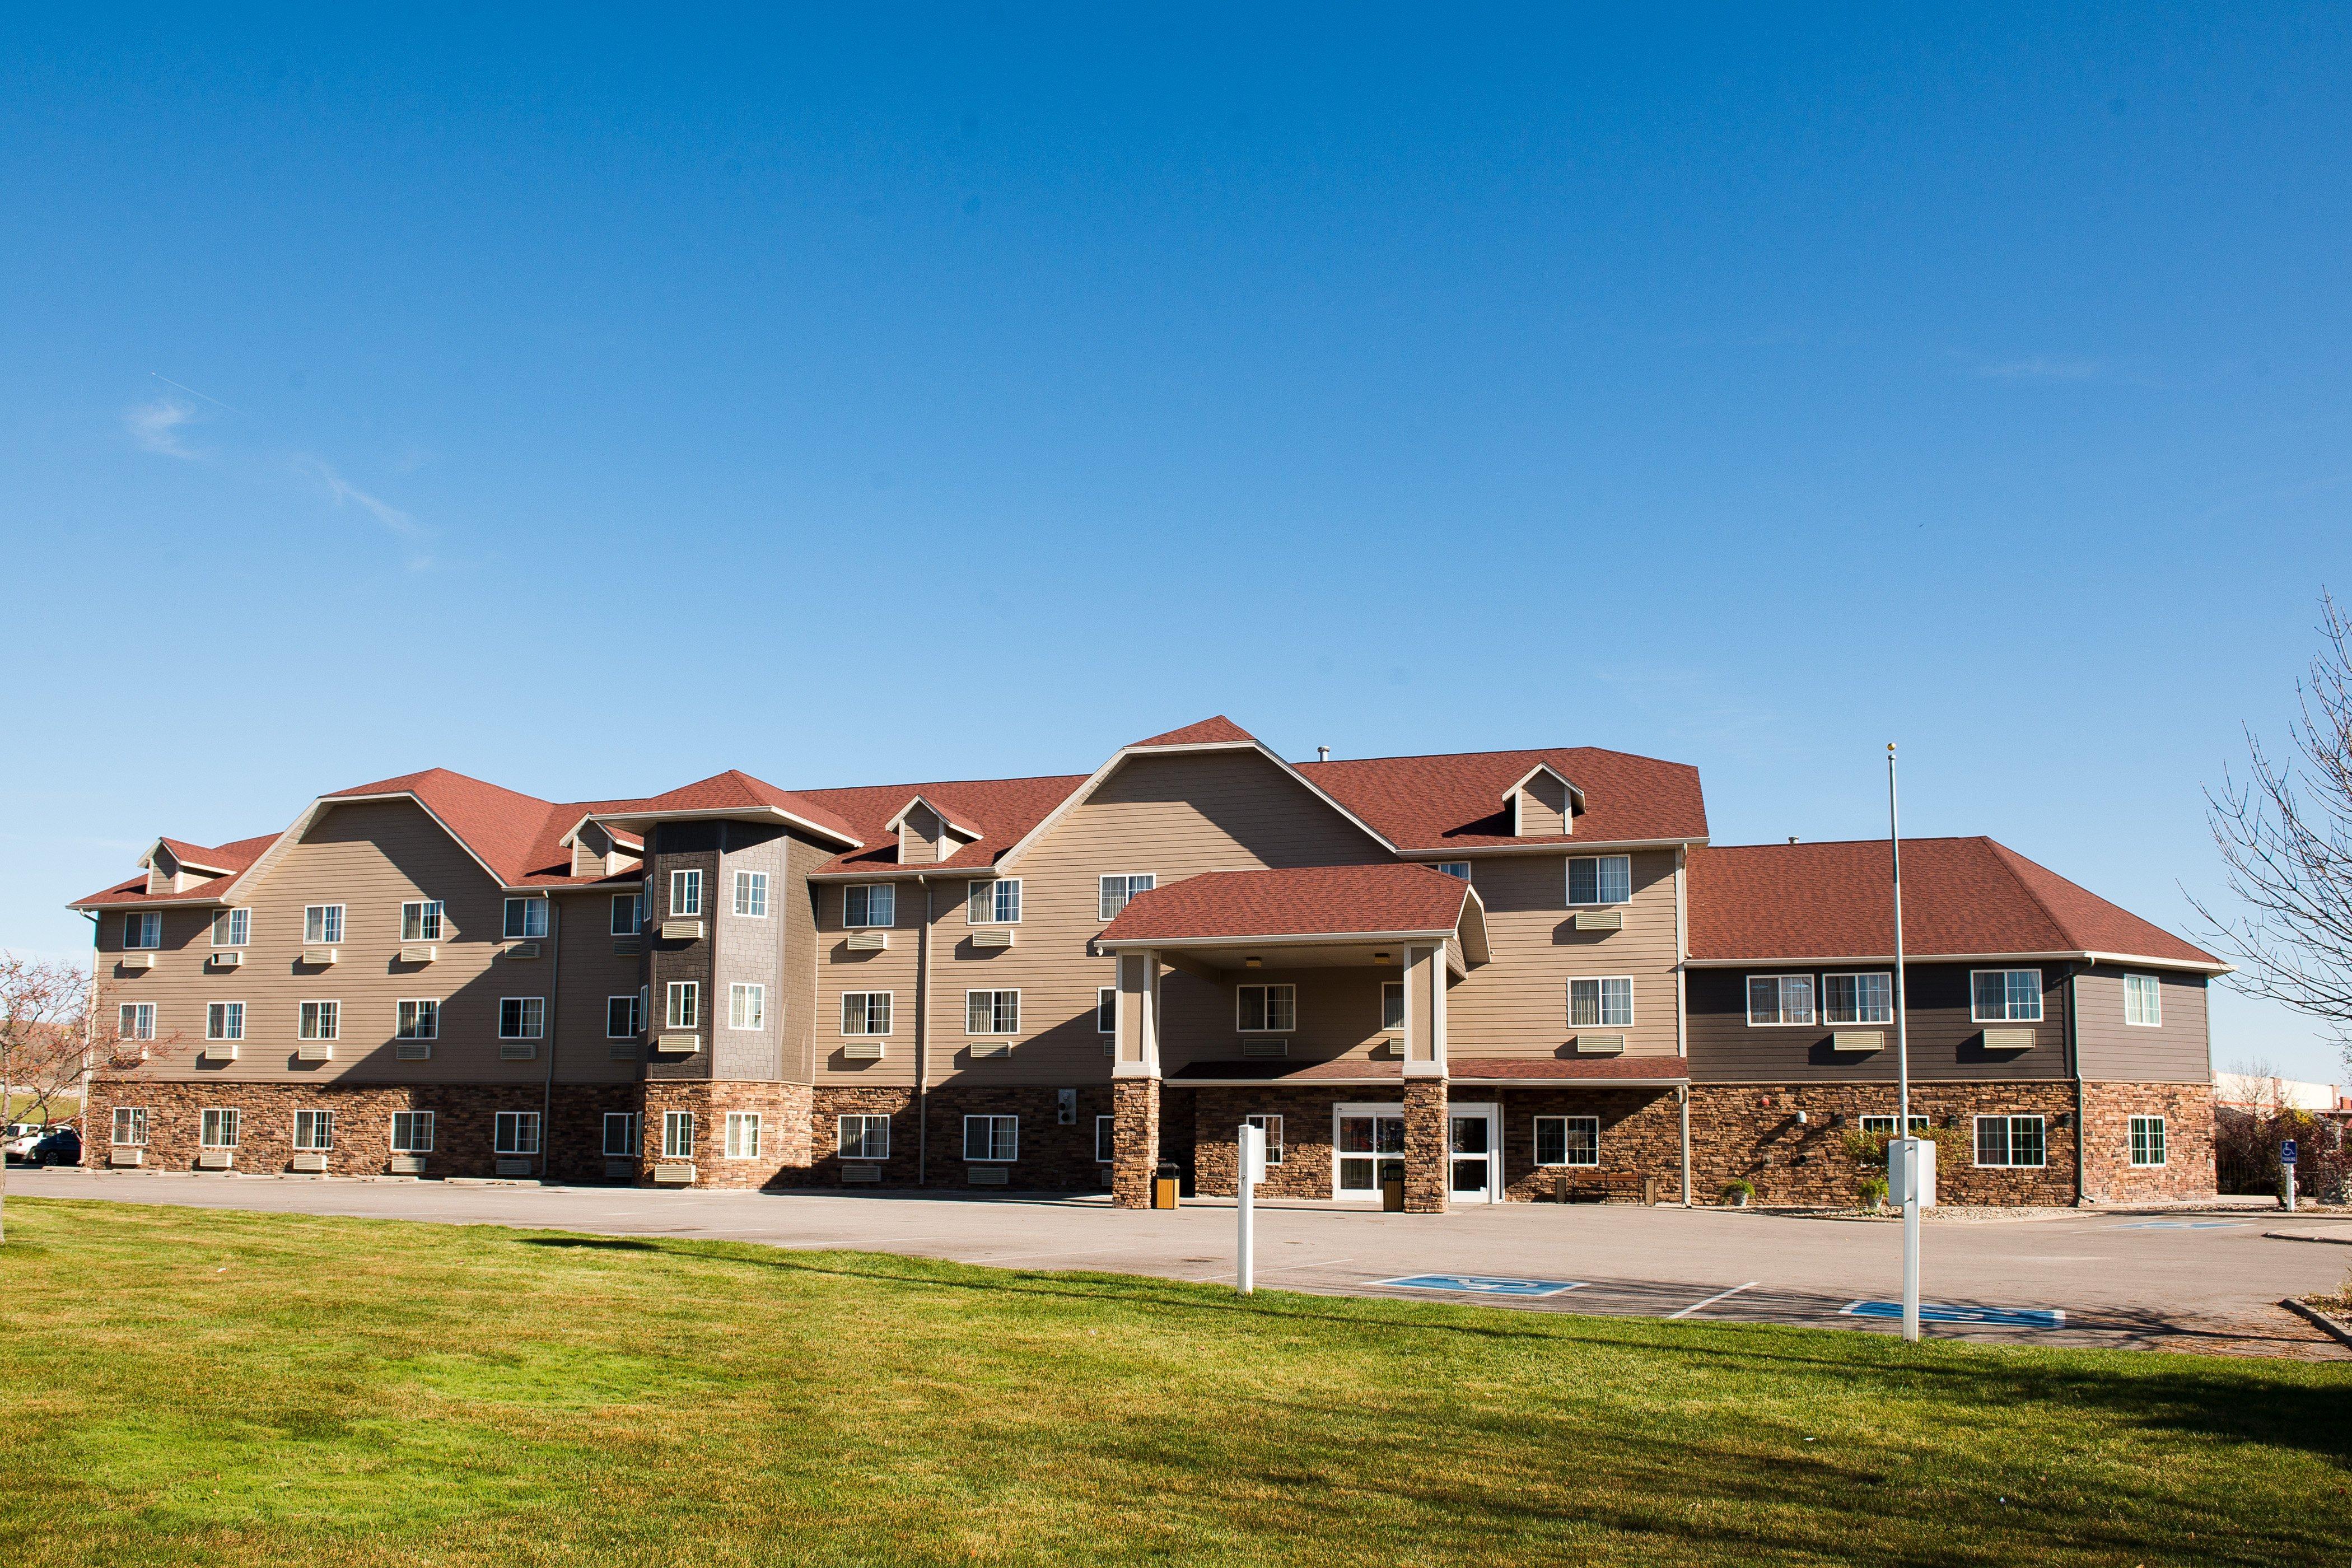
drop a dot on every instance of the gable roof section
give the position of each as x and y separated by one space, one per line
1786 903
231 859
1294 903
1219 730
1456 802
960 825
735 789
1575 795
197 858
1010 808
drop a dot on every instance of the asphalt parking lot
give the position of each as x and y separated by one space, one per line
2182 1279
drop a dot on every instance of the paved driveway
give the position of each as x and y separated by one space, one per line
2184 1280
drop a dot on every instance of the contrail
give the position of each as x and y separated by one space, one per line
192 392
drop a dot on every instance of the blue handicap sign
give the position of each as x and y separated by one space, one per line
2286 1152
1988 1317
1484 1284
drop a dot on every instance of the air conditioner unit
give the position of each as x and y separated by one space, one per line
418 951
861 1173
993 936
867 941
672 1175
228 958
861 1050
138 960
677 1045
319 957
315 1051
218 1051
126 1157
311 1160
407 1165
981 1049
1600 920
522 950
990 1176
1601 1045
412 1051
517 1050
2009 1039
215 1159
1251 1047
514 1167
1858 1040
681 930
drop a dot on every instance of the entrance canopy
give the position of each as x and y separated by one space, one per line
1304 917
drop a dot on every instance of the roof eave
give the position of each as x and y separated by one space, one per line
2203 966
1315 939
735 813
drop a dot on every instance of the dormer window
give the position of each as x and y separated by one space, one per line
1543 803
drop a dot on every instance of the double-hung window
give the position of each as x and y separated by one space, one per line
751 895
1884 1126
685 1010
746 1006
412 1132
1857 999
232 927
1265 1009
624 1016
1113 894
869 904
526 919
628 913
866 1011
130 1126
322 925
992 1138
2148 1139
420 920
677 1134
1603 1002
1393 1006
314 1131
219 1128
2143 1002
2011 1140
224 1021
1272 1127
620 1135
996 903
1105 1139
1599 878
685 893
1568 1141
1779 999
992 1012
136 1021
142 928
865 1137
420 1020
321 1020
742 1134
516 1132
2005 996
521 1017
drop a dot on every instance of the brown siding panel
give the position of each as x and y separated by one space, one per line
1944 1042
2175 1052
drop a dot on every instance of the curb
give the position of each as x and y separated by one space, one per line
2322 1240
2321 1320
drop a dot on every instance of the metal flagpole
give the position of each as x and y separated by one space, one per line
1910 1154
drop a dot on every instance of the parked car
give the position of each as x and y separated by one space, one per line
58 1146
17 1142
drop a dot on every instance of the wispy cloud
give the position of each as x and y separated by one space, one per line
156 427
342 492
2042 367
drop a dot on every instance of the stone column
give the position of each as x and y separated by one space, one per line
1135 1140
1428 1146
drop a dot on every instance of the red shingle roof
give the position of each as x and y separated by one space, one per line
1456 802
1783 901
734 790
237 856
1207 732
1008 808
1307 900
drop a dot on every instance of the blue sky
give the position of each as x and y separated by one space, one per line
593 401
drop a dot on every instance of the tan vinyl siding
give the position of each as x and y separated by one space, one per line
1543 808
895 970
1516 1006
2175 1052
797 908
589 972
1946 1043
919 839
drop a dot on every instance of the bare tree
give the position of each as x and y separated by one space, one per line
2285 834
45 1035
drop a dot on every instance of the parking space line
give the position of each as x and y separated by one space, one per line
1711 1300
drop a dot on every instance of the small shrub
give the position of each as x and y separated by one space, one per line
1871 1193
1738 1190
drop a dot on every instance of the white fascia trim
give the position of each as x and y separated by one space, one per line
735 812
1574 793
1278 1082
1912 959
1577 847
146 861
1095 779
1323 938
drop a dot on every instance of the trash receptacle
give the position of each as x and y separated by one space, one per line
1392 1194
1164 1186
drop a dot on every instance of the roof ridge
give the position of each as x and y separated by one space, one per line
1830 843
2006 856
1498 751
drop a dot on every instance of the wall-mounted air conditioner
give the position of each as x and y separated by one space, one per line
867 941
982 1050
1255 1048
861 1173
1601 1045
522 950
319 957
993 936
677 1045
990 1176
215 1159
127 1157
407 1165
419 951
2009 1039
137 960
672 1175
1600 920
218 1051
681 930
514 1167
315 1051
1858 1040
311 1161
861 1050
228 958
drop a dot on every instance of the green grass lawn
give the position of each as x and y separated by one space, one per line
185 1386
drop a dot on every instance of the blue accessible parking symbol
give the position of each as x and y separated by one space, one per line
1986 1316
1482 1284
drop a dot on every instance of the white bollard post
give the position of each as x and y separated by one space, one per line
1253 1170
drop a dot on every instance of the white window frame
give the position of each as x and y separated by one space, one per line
1600 883
130 1127
885 893
636 905
1289 1024
866 1121
998 1026
431 920
327 920
993 892
1392 988
1780 1008
418 1121
1128 889
1106 1010
2009 1144
237 923
677 1134
1106 1140
1270 1123
530 1018
219 1127
143 930
2152 988
635 1015
532 927
223 1021
751 898
1011 1123
427 1016
1822 996
1455 868
1376 1111
2009 1015
314 1131
865 1014
685 894
318 1019
2133 1142
508 1133
742 1135
682 1004
139 1024
1564 1162
747 998
1875 1125
1601 984
628 1129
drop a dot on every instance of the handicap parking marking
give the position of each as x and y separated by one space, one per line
2182 1224
1482 1284
1988 1317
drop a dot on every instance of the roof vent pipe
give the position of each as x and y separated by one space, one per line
1792 838
1322 754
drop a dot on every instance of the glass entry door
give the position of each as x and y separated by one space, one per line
1369 1148
1471 1150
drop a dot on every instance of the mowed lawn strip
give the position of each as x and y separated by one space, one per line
195 1386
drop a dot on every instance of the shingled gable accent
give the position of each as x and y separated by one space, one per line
1217 734
1304 904
190 856
734 794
